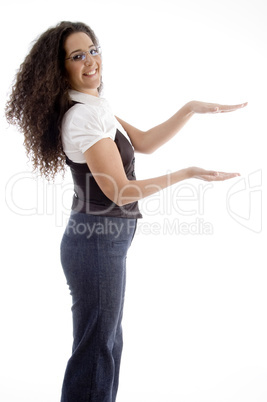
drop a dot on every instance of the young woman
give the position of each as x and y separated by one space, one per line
56 103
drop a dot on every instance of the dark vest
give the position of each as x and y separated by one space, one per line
89 198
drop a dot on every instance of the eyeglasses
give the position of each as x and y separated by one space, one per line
81 56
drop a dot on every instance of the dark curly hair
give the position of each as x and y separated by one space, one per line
39 97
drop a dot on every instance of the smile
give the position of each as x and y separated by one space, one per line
90 73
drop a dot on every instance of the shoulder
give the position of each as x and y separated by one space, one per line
81 114
81 110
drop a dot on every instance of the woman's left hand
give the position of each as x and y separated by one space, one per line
209 175
203 107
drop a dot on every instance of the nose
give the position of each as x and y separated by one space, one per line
89 59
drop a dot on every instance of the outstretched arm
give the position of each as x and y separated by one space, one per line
105 163
150 140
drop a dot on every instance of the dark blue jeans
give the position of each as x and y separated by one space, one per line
93 256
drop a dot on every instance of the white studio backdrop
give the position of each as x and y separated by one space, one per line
195 315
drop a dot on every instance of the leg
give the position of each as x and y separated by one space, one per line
94 265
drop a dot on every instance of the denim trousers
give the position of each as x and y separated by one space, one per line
93 256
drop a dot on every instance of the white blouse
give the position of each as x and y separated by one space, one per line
85 123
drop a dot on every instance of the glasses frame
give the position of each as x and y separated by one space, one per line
97 48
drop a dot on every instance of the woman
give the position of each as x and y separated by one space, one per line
56 102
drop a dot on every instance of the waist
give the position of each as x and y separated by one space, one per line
105 207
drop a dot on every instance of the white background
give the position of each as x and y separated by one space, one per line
195 316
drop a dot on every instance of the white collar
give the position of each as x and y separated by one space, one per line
86 98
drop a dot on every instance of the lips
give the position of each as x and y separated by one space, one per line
90 73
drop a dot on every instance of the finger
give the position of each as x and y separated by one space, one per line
221 176
218 176
229 108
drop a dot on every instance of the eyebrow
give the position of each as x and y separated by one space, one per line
80 50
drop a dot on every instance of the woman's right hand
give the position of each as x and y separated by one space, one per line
204 107
209 175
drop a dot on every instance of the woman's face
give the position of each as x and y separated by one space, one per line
83 75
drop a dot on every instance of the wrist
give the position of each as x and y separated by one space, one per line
189 107
189 172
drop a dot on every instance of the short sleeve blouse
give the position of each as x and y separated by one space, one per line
87 122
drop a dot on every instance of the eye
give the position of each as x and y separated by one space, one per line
93 51
78 57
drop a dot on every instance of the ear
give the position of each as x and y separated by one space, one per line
100 88
66 80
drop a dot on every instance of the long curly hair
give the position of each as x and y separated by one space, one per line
39 98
